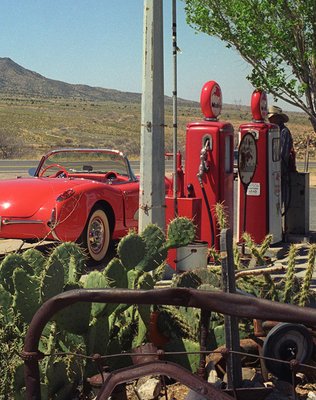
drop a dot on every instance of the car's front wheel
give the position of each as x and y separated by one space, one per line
96 235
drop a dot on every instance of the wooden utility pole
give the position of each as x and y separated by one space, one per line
175 105
152 160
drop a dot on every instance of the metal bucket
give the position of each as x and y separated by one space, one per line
192 256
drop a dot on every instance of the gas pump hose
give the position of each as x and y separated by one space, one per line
202 169
209 214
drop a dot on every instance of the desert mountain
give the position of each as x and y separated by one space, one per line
16 80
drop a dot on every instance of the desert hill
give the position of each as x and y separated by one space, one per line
14 79
38 113
17 80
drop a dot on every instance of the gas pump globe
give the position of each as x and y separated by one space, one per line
259 205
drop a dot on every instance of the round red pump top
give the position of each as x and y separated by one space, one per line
259 105
211 99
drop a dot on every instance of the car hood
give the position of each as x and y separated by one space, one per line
23 197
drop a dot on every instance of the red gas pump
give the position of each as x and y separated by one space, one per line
208 177
259 202
209 163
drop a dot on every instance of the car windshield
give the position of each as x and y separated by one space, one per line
84 161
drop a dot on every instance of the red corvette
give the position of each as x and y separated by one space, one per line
81 195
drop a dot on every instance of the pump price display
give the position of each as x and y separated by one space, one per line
247 158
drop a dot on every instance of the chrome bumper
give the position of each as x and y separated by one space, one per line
7 221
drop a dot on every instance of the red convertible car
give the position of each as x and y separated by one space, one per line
81 195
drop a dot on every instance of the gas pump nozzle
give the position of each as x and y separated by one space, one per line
203 167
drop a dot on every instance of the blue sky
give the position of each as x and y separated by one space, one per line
99 43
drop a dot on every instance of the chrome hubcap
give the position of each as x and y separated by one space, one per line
96 235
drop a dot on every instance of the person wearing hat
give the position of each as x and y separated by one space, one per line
276 116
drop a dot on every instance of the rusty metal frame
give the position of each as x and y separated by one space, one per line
170 369
224 303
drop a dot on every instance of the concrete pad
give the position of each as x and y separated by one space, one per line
9 245
14 245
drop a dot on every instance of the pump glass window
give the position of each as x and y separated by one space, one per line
276 150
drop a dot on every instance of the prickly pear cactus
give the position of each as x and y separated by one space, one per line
26 281
152 260
73 259
76 317
181 232
156 253
154 237
59 379
5 299
35 259
9 264
188 279
96 280
52 279
117 277
179 322
188 361
26 299
131 250
116 274
33 278
145 282
132 278
98 335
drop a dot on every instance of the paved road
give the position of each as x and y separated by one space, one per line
9 168
13 168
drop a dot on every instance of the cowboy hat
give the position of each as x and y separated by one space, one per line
277 111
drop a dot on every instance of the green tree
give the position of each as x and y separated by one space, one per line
276 37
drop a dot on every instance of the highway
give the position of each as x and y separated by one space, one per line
14 168
11 168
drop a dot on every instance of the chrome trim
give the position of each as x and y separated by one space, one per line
21 221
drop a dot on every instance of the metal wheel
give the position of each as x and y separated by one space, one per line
96 236
287 341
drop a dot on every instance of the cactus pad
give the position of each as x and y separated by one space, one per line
35 259
116 274
181 232
188 361
154 237
7 267
26 297
52 280
74 318
133 276
73 258
187 279
96 280
131 250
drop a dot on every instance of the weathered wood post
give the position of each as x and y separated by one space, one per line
233 368
152 161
